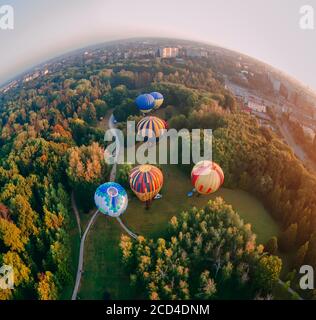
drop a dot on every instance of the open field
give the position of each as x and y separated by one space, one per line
104 275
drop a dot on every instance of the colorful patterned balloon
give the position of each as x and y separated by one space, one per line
158 99
146 181
111 199
151 127
145 102
207 177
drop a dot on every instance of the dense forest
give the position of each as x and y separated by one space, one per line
256 160
52 144
209 254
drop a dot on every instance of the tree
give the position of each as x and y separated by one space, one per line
89 113
123 174
207 289
125 109
27 217
300 256
4 212
310 257
214 238
288 237
267 272
272 245
101 108
11 236
303 230
230 102
87 169
179 122
46 287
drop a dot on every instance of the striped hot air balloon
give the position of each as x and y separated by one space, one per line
111 199
146 181
151 127
207 177
158 99
145 102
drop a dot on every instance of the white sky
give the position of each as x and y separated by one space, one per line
265 29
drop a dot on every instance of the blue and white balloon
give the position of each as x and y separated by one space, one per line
111 199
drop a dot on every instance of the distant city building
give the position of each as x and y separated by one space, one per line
255 106
196 53
168 52
286 109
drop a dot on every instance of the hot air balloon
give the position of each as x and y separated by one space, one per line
207 177
151 127
146 181
145 102
111 199
158 99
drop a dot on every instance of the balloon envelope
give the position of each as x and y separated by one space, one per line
145 102
207 177
158 99
111 199
146 181
151 127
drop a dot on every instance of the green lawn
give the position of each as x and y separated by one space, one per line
74 255
104 272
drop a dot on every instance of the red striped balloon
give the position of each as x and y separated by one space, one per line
207 177
146 181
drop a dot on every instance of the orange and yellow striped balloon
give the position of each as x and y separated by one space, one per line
207 177
146 181
151 127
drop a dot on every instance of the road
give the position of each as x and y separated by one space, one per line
81 254
290 290
91 222
297 149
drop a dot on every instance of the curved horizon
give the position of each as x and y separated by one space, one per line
267 30
118 40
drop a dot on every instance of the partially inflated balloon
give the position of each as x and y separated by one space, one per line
207 177
158 99
146 181
151 127
145 102
111 199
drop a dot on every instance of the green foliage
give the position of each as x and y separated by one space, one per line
272 245
125 109
267 272
46 287
288 237
57 114
87 169
207 252
122 174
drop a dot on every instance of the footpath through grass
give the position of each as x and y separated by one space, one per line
104 276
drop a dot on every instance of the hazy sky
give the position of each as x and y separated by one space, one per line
265 29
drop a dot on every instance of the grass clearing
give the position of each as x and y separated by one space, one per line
104 275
